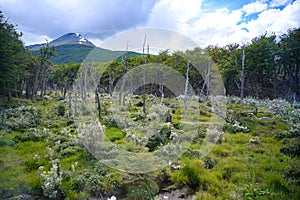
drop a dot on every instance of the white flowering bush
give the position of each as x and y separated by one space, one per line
278 107
215 135
51 180
117 118
64 143
20 118
159 112
91 135
135 138
237 127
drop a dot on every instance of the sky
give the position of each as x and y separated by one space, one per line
207 22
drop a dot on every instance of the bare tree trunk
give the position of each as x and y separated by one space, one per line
208 81
35 82
243 73
75 101
110 83
122 89
84 83
70 102
131 92
144 78
98 102
186 87
161 89
96 89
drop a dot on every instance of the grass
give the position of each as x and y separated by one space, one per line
114 133
238 170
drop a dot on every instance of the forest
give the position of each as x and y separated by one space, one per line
242 101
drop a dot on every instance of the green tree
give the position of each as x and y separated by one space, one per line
260 63
63 76
11 55
288 72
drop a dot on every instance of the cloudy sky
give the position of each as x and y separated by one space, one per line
208 22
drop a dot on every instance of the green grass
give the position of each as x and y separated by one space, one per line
113 133
239 170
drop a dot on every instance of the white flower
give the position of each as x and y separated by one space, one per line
112 198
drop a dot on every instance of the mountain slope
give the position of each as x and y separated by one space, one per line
72 47
78 52
69 38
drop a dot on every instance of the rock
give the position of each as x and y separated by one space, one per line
139 104
264 118
22 197
254 141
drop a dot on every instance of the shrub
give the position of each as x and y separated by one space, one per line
209 163
160 137
61 109
6 143
51 180
189 175
236 127
292 149
292 176
100 181
20 118
142 190
90 135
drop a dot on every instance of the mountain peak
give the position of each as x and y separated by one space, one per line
69 38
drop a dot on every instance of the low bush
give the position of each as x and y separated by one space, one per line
141 190
20 118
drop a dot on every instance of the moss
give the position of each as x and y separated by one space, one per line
114 133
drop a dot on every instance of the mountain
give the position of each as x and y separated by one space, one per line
72 47
69 38
78 52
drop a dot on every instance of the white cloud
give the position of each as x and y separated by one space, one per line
254 7
276 20
277 3
171 13
54 18
97 20
223 26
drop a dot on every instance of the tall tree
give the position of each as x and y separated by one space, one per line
288 73
11 53
260 63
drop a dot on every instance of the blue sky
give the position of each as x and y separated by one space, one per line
207 22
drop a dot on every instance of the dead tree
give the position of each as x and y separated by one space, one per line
161 90
186 87
75 100
96 90
144 77
206 81
242 78
111 80
122 90
70 102
84 82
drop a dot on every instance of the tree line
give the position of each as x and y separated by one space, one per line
266 67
